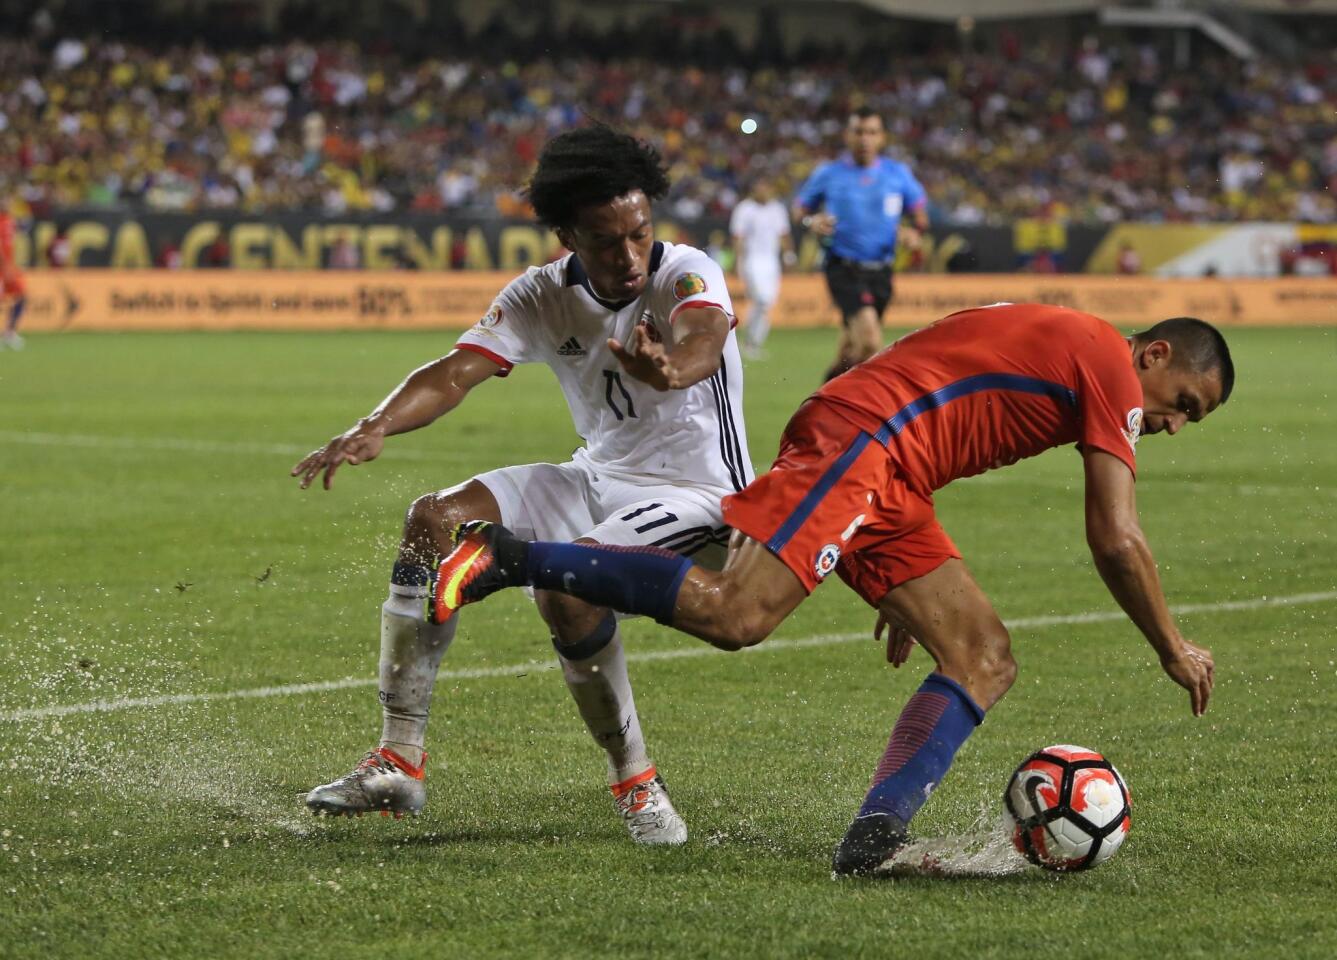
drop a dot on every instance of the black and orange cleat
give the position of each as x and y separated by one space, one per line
871 840
487 558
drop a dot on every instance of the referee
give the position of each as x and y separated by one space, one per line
856 202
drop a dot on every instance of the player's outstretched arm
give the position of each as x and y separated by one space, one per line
426 394
698 341
1126 565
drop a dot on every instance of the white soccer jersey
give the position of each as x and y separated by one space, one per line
551 315
760 226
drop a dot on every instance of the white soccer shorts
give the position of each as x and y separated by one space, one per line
762 279
570 501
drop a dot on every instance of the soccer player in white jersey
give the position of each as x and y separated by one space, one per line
662 447
763 244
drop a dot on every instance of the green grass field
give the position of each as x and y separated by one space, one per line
132 466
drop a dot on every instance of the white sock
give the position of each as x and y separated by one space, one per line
758 324
602 692
411 652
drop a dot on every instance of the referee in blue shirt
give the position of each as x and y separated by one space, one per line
856 202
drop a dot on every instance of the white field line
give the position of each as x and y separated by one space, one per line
191 445
188 445
541 666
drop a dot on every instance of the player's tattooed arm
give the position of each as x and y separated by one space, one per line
698 342
426 394
1124 560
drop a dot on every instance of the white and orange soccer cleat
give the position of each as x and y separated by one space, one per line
644 804
384 781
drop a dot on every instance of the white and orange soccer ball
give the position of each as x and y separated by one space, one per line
1068 808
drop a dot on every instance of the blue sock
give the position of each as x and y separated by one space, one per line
600 637
931 728
15 314
642 580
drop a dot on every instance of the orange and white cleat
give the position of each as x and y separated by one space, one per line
383 781
646 809
487 558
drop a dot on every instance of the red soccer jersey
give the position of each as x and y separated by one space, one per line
986 387
6 239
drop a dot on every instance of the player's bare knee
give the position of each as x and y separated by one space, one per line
569 618
429 522
1003 670
979 658
996 665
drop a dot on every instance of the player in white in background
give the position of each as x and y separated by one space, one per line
639 334
763 245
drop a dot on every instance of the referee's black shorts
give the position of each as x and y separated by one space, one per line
855 284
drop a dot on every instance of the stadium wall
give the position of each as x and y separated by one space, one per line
163 300
297 241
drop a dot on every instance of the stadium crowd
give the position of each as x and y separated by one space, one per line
1105 132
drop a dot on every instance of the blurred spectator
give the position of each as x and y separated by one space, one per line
1313 258
58 250
13 289
216 255
1128 261
169 255
344 256
1106 131
459 252
1042 261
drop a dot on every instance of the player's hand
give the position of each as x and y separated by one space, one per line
822 224
358 444
899 640
645 359
1194 670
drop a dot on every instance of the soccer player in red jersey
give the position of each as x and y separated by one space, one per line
851 493
12 287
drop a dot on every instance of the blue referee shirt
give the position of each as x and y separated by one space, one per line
867 203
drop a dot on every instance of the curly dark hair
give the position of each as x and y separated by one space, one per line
591 166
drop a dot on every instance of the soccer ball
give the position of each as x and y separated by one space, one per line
1068 808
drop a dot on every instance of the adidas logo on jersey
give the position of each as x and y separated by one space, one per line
571 348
